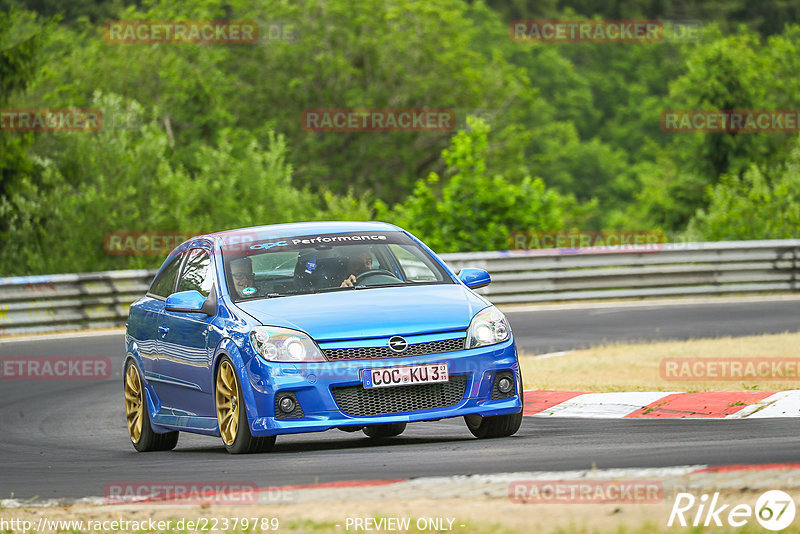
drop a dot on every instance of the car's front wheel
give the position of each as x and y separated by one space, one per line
142 436
387 430
232 415
496 426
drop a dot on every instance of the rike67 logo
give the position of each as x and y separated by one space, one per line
774 510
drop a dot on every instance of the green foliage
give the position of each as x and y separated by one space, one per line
753 206
728 73
724 72
117 179
97 11
366 54
240 183
765 16
478 210
341 54
121 179
207 137
21 38
665 198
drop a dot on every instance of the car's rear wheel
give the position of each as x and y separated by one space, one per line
496 426
387 430
232 415
142 436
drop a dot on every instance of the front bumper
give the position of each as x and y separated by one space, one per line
312 386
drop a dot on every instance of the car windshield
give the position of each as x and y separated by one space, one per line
327 262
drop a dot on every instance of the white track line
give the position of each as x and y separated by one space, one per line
552 354
65 335
603 405
520 308
780 404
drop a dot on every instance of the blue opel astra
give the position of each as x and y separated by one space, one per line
247 334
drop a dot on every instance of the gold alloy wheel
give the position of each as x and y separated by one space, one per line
134 403
227 403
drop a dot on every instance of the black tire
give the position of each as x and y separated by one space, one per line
350 428
149 440
387 430
496 426
246 443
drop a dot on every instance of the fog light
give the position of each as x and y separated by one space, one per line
505 385
286 404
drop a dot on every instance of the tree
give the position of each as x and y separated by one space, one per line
122 178
336 54
477 210
21 38
753 206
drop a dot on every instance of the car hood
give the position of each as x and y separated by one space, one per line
374 312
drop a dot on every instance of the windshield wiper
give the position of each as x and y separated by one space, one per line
332 289
399 284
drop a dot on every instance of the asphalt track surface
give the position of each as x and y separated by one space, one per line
67 439
538 332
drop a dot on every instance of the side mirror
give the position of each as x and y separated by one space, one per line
474 278
190 302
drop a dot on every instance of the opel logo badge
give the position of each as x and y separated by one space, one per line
398 344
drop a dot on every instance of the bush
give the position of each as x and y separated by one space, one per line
753 206
476 210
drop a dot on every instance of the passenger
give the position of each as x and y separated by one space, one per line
243 277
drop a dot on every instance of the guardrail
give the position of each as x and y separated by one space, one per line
76 301
672 269
58 302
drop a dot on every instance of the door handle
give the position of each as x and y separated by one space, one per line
163 330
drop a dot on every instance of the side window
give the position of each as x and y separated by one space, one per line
163 284
197 273
417 268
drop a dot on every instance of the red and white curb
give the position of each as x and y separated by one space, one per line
663 405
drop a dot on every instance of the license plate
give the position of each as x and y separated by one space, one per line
405 376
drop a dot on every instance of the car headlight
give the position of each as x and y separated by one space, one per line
276 344
488 327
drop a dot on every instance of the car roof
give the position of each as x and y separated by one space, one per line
274 231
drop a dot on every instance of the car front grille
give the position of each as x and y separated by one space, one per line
360 402
415 349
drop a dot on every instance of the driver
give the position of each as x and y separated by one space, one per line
242 272
357 263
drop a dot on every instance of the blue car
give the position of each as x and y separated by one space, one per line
247 334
